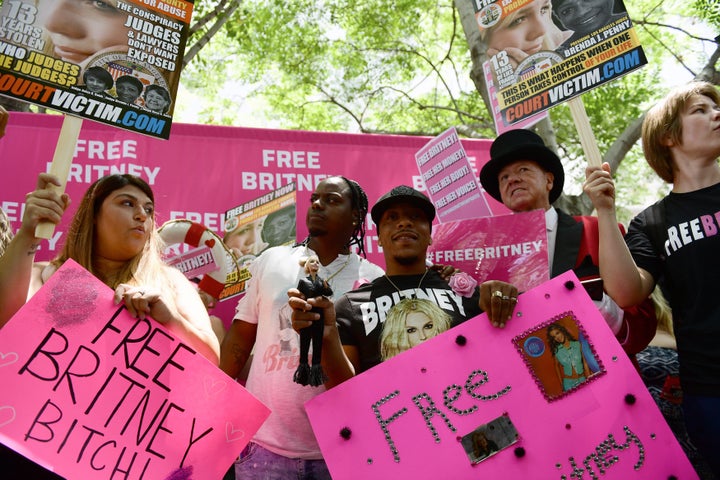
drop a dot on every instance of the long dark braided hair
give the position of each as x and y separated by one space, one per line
359 200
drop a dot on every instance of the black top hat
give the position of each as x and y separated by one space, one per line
515 145
402 193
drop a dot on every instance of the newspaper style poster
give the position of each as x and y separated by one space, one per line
543 53
113 61
253 227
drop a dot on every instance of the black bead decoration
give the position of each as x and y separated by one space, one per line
519 452
346 433
630 399
461 340
570 285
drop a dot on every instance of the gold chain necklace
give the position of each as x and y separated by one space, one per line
416 288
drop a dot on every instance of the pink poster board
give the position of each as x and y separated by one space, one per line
450 181
512 248
89 390
418 414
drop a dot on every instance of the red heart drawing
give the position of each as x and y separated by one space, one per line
233 434
210 243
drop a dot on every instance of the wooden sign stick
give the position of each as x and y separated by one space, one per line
60 167
587 138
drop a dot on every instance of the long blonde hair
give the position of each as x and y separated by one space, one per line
147 267
394 338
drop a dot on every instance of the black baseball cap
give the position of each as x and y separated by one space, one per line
402 193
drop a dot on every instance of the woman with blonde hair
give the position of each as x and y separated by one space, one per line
526 31
409 323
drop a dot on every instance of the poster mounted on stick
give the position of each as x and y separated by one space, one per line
91 392
484 402
115 62
570 57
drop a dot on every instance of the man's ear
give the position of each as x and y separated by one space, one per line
550 180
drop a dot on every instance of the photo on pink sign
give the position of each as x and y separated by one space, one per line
489 439
559 355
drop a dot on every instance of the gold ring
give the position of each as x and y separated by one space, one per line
497 293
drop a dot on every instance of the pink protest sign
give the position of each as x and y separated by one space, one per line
512 248
495 406
450 180
90 392
195 262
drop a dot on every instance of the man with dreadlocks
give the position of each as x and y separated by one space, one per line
285 446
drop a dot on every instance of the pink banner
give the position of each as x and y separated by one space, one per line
90 391
203 171
483 402
450 181
512 248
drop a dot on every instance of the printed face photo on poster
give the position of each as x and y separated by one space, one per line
559 355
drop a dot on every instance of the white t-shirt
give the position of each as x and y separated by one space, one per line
287 431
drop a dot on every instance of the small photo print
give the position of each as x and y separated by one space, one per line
559 355
489 439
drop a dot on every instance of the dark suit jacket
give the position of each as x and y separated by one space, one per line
567 246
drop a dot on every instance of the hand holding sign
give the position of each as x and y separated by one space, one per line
60 167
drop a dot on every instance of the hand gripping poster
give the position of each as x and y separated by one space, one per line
544 52
112 61
90 392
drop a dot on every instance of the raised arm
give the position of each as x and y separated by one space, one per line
18 278
627 284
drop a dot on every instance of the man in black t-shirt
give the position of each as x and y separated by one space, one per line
352 344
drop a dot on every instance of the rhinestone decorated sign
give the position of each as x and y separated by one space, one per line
552 396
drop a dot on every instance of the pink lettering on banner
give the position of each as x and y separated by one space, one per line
512 248
483 402
91 392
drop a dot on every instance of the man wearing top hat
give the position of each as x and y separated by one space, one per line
352 343
526 175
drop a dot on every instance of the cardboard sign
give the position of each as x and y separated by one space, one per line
91 392
450 180
483 402
566 60
115 62
195 262
512 248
